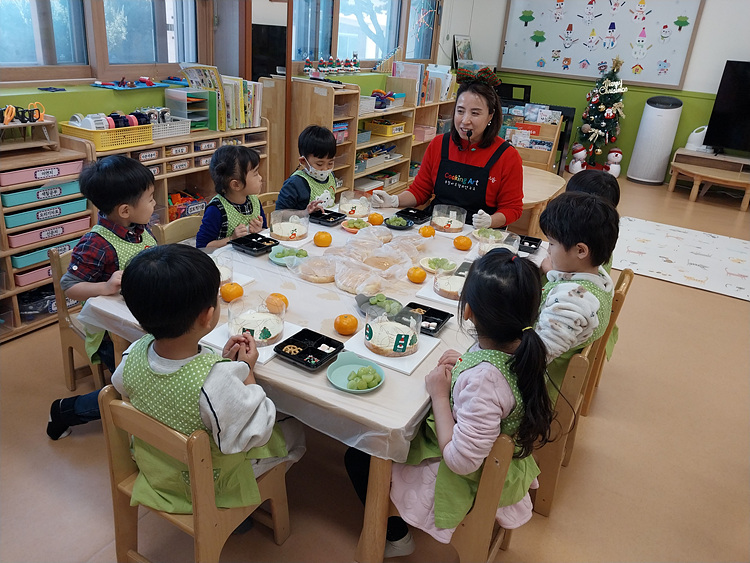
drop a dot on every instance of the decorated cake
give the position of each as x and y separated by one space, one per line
355 207
266 328
447 225
449 286
389 338
288 230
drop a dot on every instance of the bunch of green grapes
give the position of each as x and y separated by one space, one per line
357 223
391 306
491 233
396 221
440 264
364 378
291 252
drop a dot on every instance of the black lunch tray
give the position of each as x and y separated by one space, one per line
530 244
430 315
309 356
254 244
327 218
419 216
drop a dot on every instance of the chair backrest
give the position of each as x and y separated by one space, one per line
177 230
571 393
268 201
59 265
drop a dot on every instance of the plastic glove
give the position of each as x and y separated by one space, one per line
481 220
383 199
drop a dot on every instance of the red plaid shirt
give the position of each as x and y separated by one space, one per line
94 260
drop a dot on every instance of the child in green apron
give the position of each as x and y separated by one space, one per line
497 386
577 299
123 191
235 211
168 375
313 186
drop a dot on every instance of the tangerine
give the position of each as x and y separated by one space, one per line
345 324
416 274
427 231
277 303
230 291
322 238
462 243
375 219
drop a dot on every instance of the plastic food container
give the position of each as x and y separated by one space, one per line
308 349
448 218
354 204
289 224
254 244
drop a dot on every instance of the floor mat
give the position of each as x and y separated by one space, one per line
683 256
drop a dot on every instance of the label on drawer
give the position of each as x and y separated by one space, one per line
148 155
45 173
205 145
202 160
182 165
47 193
178 150
195 208
155 170
51 232
50 213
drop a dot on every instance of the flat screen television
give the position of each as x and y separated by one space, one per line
729 126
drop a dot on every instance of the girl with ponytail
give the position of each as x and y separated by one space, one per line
497 386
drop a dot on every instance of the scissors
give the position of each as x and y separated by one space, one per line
9 113
37 107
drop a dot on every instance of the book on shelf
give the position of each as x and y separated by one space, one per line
206 77
415 71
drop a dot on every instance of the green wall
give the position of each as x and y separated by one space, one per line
696 107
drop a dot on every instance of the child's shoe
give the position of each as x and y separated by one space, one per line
400 548
56 427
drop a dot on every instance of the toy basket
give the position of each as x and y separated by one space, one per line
175 128
110 139
366 104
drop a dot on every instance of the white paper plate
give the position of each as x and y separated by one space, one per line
425 263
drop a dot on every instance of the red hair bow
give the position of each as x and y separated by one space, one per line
484 75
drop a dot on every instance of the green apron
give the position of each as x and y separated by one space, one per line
126 251
318 188
455 494
234 217
615 334
556 368
173 399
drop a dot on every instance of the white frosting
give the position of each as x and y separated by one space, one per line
449 286
225 274
289 230
384 338
447 224
355 208
257 322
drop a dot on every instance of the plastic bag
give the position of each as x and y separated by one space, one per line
316 269
379 232
356 248
355 277
410 244
391 262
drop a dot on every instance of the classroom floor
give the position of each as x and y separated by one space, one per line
660 470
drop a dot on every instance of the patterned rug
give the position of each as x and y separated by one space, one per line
683 256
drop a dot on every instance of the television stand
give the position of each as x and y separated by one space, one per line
722 170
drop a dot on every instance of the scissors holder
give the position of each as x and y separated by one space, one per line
20 136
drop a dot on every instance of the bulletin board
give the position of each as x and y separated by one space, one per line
579 38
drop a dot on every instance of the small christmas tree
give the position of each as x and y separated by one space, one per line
601 119
265 334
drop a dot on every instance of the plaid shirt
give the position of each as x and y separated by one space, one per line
94 260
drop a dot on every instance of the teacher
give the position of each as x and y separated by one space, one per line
471 167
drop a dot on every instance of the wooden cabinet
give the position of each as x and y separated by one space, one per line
431 115
41 208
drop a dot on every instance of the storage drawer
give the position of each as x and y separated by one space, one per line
27 278
424 133
201 161
40 255
40 193
49 232
155 169
176 150
40 173
367 185
206 145
178 165
44 213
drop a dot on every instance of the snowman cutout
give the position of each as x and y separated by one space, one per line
592 41
588 13
665 34
568 38
614 157
639 50
614 6
579 159
610 40
557 15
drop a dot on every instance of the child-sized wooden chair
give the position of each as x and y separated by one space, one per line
177 230
479 537
210 526
553 455
621 292
268 201
72 335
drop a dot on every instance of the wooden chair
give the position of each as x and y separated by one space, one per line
621 292
120 345
210 526
478 537
72 334
177 230
268 201
553 455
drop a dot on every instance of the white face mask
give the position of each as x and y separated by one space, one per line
319 175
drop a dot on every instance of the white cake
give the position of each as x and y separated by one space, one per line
449 286
355 207
225 274
447 225
288 230
257 322
384 335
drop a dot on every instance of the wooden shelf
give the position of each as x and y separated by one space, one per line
382 139
379 167
381 113
34 157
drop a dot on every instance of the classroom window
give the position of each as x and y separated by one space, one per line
43 33
312 29
150 31
423 17
368 28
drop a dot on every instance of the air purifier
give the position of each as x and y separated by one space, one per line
653 145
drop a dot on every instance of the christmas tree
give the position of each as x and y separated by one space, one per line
601 119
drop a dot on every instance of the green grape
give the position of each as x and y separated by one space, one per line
351 385
440 264
396 221
302 253
373 383
352 375
361 385
380 297
491 233
373 300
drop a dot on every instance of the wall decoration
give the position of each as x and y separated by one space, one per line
578 38
462 47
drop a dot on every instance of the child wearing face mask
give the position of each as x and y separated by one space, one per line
313 185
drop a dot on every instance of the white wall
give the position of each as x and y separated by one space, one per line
269 13
722 35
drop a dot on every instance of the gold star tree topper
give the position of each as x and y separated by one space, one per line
617 63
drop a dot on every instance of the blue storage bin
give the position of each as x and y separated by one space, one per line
40 193
44 213
40 255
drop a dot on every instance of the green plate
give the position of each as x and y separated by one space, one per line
347 362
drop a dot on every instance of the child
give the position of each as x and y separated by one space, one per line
123 191
577 299
168 375
496 387
236 210
314 186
